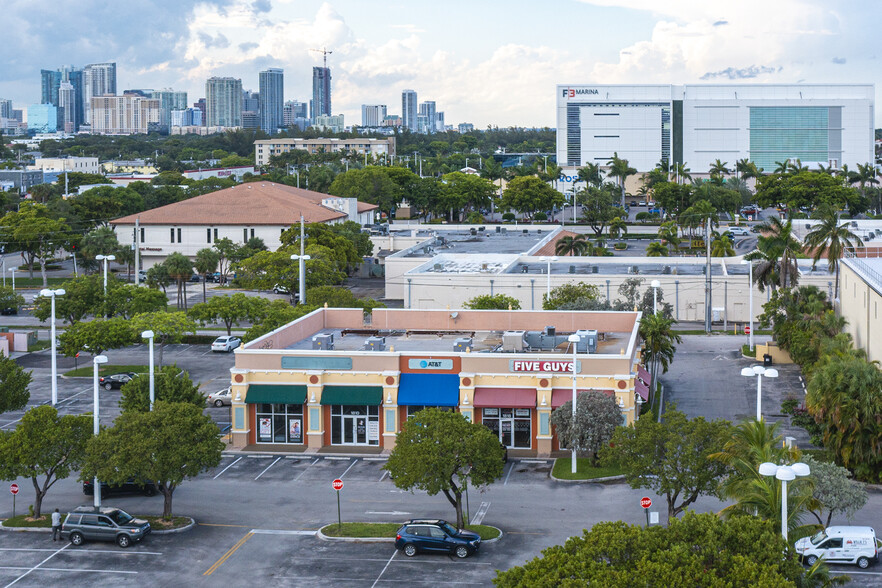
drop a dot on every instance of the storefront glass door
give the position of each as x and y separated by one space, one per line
512 426
355 425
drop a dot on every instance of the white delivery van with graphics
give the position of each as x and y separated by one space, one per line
849 545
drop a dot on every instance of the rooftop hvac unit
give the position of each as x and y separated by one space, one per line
323 341
594 269
438 267
504 231
587 341
461 344
473 231
498 229
549 331
538 231
526 231
572 269
483 267
634 269
525 269
666 269
375 344
482 228
513 341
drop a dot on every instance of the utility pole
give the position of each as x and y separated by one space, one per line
707 280
137 252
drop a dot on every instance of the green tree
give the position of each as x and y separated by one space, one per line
806 188
777 251
659 337
127 300
621 171
169 444
722 246
465 192
83 296
697 550
440 451
44 445
205 265
168 327
229 310
572 245
14 382
180 269
529 194
834 491
96 336
671 458
656 249
617 227
597 416
98 241
274 315
573 296
10 299
599 206
495 302
352 231
831 239
336 297
171 384
227 252
591 174
32 230
371 184
845 396
158 277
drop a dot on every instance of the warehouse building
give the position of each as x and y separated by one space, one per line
338 378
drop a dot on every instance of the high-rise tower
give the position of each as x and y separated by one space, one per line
272 99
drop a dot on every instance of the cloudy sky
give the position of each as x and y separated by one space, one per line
489 62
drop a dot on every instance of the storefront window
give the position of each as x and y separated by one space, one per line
411 410
355 425
513 426
280 423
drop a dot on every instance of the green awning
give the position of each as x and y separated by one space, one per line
276 394
353 395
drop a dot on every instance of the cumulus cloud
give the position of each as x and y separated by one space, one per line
740 73
839 60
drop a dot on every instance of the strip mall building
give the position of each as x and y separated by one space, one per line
338 379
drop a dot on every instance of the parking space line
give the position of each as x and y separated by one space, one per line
533 461
227 555
38 565
259 455
267 467
306 468
481 513
384 568
375 458
349 468
298 457
221 525
335 458
383 477
70 570
281 532
83 551
226 468
510 470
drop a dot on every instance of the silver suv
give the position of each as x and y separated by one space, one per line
106 524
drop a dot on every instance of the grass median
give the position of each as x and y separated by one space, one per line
157 523
27 521
371 530
584 470
107 370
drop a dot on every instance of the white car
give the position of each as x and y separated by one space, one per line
220 398
848 545
738 231
226 343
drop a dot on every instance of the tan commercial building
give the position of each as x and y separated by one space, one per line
266 148
123 115
860 302
337 378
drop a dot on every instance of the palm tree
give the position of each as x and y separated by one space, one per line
831 239
620 170
718 168
206 264
681 172
777 250
721 246
617 226
865 174
591 174
659 338
656 249
669 234
180 268
754 442
572 245
782 167
741 166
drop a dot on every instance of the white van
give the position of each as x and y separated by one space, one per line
852 545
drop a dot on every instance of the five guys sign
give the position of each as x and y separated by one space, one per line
551 366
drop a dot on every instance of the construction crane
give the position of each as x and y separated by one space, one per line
324 53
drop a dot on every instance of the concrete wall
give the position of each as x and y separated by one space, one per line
860 303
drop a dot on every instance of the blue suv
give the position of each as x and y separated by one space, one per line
435 535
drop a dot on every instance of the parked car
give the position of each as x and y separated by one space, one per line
226 343
280 289
435 535
107 524
843 544
632 203
115 380
9 311
641 203
131 486
750 210
195 278
221 398
738 231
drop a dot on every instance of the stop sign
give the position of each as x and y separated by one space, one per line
337 484
646 502
747 329
14 488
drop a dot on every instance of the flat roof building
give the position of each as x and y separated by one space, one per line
266 148
827 124
336 378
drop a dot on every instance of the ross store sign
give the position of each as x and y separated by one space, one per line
554 366
430 364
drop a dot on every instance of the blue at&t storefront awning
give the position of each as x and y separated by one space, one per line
428 390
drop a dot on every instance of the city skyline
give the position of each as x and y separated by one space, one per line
501 73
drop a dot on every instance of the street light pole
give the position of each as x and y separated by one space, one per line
574 339
105 259
98 359
149 336
655 285
759 371
785 473
52 294
12 269
750 296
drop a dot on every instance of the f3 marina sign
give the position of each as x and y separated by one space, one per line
573 92
547 366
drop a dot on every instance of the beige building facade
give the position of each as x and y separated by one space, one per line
860 302
266 148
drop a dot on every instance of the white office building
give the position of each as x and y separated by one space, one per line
827 124
372 115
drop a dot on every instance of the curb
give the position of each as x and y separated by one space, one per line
186 527
620 478
46 530
324 537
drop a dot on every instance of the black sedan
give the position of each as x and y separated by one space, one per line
115 380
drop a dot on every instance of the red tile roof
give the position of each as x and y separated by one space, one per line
253 203
549 248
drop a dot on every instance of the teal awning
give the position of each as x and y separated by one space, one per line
276 394
353 395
